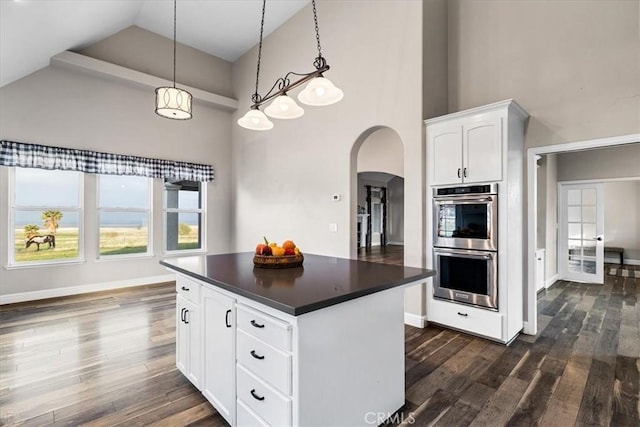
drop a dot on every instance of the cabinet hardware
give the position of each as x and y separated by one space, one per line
182 314
226 319
255 396
185 316
459 173
184 288
464 172
257 356
462 314
257 325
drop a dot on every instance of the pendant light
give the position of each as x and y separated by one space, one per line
320 91
172 102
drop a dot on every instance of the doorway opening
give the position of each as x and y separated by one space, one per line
542 228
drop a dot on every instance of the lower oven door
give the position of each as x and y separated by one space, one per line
465 276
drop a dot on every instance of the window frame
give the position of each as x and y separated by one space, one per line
11 241
149 211
203 229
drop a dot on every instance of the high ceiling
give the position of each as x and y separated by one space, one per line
32 31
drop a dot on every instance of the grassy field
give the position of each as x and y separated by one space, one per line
113 241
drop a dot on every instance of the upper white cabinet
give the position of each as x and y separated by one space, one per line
469 146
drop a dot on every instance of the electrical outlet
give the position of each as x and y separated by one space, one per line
333 227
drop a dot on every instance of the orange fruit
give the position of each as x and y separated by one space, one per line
277 251
288 244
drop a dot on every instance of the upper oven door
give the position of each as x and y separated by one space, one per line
466 222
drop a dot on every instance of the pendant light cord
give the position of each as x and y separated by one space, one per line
256 96
319 62
174 43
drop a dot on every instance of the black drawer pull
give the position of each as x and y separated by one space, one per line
182 314
226 319
257 325
462 314
459 173
257 356
255 396
184 288
186 311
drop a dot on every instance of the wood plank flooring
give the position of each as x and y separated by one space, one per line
108 359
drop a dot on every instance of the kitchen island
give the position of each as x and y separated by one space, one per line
317 345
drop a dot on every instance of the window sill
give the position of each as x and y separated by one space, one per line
44 264
111 258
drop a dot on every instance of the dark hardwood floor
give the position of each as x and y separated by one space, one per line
107 359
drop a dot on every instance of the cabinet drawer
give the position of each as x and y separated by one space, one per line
267 328
189 289
262 399
246 417
474 320
268 363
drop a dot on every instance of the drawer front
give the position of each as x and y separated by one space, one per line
267 328
246 417
268 363
471 319
263 399
188 288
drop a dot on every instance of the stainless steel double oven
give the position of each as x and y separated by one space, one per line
465 240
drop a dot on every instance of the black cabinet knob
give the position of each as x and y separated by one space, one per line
184 288
255 396
463 314
256 355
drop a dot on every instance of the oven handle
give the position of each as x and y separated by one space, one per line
462 200
466 253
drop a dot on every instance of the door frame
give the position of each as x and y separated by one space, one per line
531 320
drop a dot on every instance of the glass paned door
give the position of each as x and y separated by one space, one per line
581 233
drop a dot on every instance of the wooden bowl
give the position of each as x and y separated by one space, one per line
286 261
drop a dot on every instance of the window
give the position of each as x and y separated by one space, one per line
46 216
124 215
183 215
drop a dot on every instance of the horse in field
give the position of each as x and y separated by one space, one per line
39 240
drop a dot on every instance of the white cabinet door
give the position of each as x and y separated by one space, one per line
446 154
182 337
482 151
219 352
188 340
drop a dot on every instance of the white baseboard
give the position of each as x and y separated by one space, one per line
389 242
83 289
525 328
415 320
550 281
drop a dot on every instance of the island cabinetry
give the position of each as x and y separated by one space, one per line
218 327
264 366
188 330
466 150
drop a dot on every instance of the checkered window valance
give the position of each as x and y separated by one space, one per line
44 157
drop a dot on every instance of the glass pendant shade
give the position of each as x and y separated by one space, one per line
173 103
320 91
255 120
283 107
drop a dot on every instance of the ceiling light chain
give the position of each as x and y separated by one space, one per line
320 91
172 102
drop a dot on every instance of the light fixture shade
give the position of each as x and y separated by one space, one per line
173 103
255 120
284 107
320 91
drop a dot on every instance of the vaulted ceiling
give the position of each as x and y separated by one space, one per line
31 31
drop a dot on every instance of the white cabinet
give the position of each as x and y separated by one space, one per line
188 339
483 145
465 151
218 331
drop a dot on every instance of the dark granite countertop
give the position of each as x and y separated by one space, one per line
321 282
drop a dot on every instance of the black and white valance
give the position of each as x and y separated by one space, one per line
45 157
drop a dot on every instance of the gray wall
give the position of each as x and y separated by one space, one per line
395 225
604 163
77 110
622 216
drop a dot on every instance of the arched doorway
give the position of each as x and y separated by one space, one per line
377 190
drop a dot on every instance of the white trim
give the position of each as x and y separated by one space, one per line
551 280
78 62
592 181
481 109
83 289
415 320
395 243
525 329
532 184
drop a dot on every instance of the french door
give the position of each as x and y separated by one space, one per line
581 227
